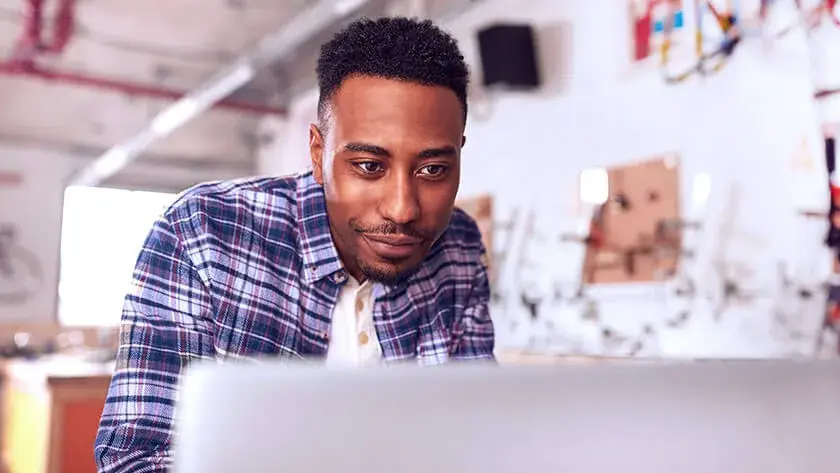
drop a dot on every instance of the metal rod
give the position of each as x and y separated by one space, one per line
124 87
302 27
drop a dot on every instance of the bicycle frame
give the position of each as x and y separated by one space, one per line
728 22
725 21
765 12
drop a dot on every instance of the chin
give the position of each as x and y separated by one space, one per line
388 273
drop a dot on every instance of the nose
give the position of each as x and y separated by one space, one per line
400 203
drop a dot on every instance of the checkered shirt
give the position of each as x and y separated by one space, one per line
247 269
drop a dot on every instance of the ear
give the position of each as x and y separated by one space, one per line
316 153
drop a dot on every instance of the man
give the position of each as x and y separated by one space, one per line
360 260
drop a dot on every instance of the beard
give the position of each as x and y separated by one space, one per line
387 274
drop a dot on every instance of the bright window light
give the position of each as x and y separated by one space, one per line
102 233
594 186
700 189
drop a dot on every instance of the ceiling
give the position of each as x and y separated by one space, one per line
165 45
124 62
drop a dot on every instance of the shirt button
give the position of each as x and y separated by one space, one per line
339 277
359 305
363 338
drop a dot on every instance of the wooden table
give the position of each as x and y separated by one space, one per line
525 357
51 413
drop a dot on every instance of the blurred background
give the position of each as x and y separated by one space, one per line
653 178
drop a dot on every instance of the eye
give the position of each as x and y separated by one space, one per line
368 167
433 170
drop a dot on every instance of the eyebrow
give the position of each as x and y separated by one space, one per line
437 152
366 148
382 152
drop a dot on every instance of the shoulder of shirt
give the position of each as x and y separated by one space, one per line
461 240
463 228
236 195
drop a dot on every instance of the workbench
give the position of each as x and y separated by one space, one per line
51 413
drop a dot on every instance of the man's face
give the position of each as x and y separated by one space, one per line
389 161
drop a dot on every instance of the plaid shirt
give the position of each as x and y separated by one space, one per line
247 269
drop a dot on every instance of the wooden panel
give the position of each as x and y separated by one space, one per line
78 421
638 240
480 208
78 403
525 358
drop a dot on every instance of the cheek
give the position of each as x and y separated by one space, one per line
347 189
437 205
352 200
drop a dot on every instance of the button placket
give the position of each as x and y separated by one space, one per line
339 277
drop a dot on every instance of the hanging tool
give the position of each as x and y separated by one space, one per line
809 17
729 23
831 320
832 239
813 16
831 10
825 93
707 62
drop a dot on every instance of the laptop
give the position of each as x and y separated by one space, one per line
714 417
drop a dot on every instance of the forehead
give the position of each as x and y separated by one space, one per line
379 107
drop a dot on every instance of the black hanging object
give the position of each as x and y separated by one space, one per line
833 237
531 305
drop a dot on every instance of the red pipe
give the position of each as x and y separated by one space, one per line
128 88
30 41
831 5
64 26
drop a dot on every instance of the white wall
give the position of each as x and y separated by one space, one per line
745 129
34 208
288 150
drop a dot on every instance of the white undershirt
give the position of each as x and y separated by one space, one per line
353 340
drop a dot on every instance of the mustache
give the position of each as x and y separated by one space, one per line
389 228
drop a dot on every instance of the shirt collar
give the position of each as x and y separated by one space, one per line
320 257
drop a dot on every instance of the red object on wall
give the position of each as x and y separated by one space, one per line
831 6
835 192
642 29
10 179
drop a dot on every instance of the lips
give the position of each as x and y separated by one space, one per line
392 247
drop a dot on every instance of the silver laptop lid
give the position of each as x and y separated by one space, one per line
720 417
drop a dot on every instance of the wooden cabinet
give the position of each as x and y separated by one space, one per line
51 414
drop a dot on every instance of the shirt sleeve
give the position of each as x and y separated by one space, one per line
474 334
166 324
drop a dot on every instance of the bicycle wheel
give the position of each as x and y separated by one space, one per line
20 278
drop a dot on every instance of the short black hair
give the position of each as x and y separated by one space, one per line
399 48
